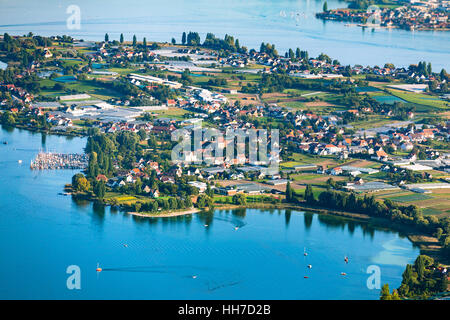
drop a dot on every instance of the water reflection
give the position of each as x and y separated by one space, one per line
287 217
308 220
98 216
236 218
81 203
43 139
7 129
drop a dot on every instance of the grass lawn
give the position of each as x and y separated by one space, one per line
172 112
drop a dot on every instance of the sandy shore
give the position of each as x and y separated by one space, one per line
166 214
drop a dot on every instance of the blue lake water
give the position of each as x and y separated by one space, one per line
286 23
42 233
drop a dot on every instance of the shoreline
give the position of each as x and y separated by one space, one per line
427 244
168 214
57 133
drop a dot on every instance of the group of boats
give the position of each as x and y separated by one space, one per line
309 266
53 161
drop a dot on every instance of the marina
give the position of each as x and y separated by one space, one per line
55 161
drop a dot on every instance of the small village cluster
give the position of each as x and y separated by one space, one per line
414 15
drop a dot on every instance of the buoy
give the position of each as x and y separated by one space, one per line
346 259
343 274
194 277
125 245
206 225
236 228
20 161
305 277
309 266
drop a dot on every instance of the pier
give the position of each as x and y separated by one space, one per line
55 161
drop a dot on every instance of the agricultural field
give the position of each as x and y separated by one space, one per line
315 179
86 86
418 98
302 159
435 203
172 112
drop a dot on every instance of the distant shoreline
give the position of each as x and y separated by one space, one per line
426 243
165 214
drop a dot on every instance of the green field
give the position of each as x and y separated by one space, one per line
172 112
418 98
410 197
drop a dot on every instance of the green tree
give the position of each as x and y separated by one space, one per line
395 295
385 293
309 195
239 199
289 192
209 191
183 38
134 41
8 118
291 54
137 206
173 203
325 7
80 183
100 189
93 168
155 206
121 38
188 202
421 264
106 37
204 201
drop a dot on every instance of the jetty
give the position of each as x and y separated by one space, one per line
55 161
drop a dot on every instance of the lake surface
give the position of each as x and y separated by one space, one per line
42 233
286 23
